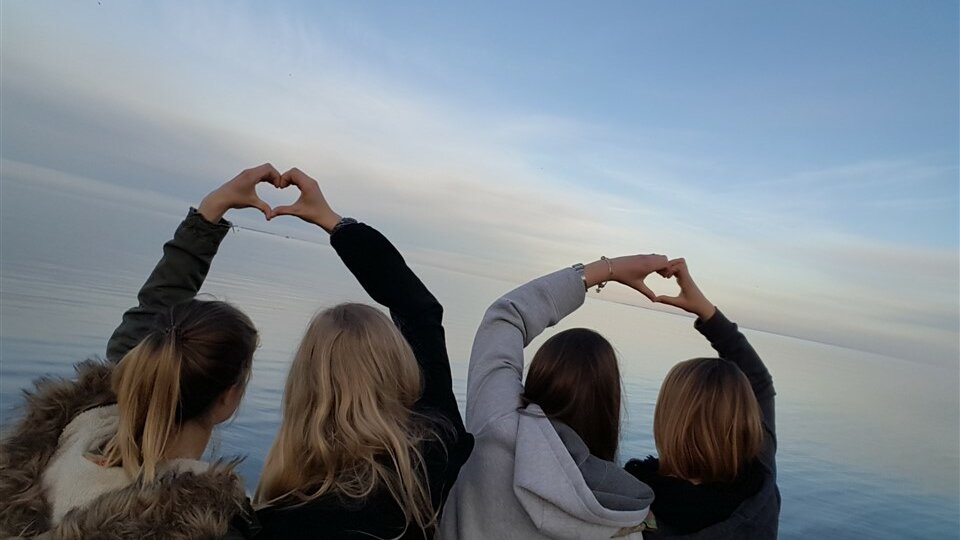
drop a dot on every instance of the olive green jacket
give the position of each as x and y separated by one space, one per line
177 506
176 278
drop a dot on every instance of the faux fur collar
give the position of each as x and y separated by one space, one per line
176 505
27 448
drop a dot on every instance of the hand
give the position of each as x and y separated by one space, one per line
630 270
690 298
633 269
312 206
240 192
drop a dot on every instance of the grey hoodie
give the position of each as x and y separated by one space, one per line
530 477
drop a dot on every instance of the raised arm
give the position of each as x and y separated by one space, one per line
494 382
187 257
494 378
384 274
730 344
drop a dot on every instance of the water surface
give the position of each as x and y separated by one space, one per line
868 444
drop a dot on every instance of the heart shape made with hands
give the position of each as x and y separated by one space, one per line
276 197
662 286
250 189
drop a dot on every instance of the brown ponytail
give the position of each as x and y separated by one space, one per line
198 350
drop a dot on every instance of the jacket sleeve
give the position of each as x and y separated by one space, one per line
176 278
384 274
732 345
494 380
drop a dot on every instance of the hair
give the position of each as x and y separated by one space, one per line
575 379
196 351
707 424
348 428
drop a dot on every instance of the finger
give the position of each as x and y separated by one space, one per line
644 290
673 267
682 272
297 177
263 207
669 300
670 271
287 210
268 173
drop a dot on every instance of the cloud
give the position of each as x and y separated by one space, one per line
503 193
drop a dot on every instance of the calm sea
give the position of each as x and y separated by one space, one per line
868 444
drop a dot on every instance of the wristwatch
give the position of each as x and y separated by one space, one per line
342 223
580 269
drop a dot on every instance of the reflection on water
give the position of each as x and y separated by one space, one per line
868 444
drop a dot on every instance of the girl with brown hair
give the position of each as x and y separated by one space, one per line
714 427
371 439
116 452
543 466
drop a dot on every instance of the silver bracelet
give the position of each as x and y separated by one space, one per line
603 284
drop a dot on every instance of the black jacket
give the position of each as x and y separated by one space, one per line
383 273
755 513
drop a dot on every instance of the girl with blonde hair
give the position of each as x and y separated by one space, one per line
371 439
116 452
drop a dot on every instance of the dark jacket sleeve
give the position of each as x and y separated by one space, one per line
732 345
383 273
176 278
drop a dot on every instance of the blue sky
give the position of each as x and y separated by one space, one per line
803 156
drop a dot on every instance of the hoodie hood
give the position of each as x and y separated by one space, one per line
567 492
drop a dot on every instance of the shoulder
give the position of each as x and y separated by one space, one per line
177 505
96 423
49 407
53 402
500 429
291 521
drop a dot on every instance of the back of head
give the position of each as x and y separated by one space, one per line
707 423
347 426
197 351
575 379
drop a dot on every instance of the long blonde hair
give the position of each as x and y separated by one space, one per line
196 351
348 428
706 424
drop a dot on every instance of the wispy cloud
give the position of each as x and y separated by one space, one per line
507 192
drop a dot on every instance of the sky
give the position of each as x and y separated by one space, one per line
803 157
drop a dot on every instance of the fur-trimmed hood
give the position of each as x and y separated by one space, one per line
176 505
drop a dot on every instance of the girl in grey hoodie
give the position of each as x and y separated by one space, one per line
541 468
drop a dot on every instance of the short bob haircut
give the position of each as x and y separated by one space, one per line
575 379
707 424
